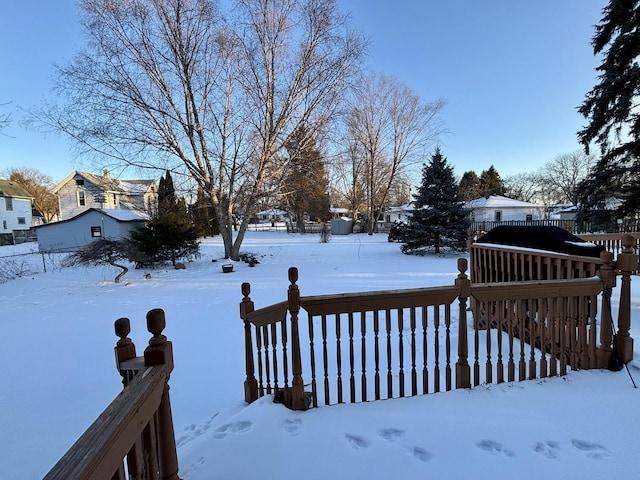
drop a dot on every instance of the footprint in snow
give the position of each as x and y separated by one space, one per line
357 442
292 426
549 449
492 447
420 453
235 427
391 434
193 431
593 450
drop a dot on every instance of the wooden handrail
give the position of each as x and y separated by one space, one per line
137 427
101 448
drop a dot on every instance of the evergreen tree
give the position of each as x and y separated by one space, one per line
306 184
167 201
439 218
611 106
203 216
169 235
167 238
470 186
491 183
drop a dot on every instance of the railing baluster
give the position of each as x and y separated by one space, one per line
389 367
425 350
414 374
401 352
376 352
436 349
325 360
312 353
352 378
363 348
338 358
447 337
502 305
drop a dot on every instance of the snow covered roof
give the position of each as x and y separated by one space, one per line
498 201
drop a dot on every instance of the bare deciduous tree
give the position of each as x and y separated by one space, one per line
560 177
175 84
393 127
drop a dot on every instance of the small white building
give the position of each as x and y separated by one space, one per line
15 211
496 208
92 224
398 214
273 215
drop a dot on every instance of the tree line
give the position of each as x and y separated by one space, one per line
253 100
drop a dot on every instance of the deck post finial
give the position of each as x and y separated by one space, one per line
125 348
250 383
463 370
297 384
626 263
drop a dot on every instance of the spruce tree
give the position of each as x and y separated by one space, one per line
611 108
439 219
170 234
306 182
491 183
470 185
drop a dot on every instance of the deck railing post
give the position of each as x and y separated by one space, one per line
297 384
608 276
124 349
250 384
160 352
463 371
626 263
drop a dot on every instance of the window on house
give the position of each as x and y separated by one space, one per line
4 224
115 202
96 232
22 221
79 181
529 217
497 216
81 199
8 202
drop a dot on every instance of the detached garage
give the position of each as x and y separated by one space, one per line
73 233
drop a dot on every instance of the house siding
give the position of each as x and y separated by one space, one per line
74 233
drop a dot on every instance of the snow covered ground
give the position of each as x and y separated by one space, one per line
57 373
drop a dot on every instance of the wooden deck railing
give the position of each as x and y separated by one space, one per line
133 438
374 345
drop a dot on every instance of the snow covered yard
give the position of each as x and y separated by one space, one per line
58 373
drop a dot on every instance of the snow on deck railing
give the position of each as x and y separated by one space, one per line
133 437
356 347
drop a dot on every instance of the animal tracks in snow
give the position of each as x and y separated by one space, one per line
231 428
390 435
550 449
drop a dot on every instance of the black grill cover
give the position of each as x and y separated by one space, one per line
554 239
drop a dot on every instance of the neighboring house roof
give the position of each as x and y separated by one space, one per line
498 201
118 215
9 188
108 184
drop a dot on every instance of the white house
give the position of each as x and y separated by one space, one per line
496 208
398 214
81 191
273 215
15 211
92 224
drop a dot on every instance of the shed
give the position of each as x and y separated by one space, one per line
341 226
92 224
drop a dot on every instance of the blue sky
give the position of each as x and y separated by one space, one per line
512 73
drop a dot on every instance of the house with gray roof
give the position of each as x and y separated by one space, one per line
92 224
496 208
16 214
81 191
